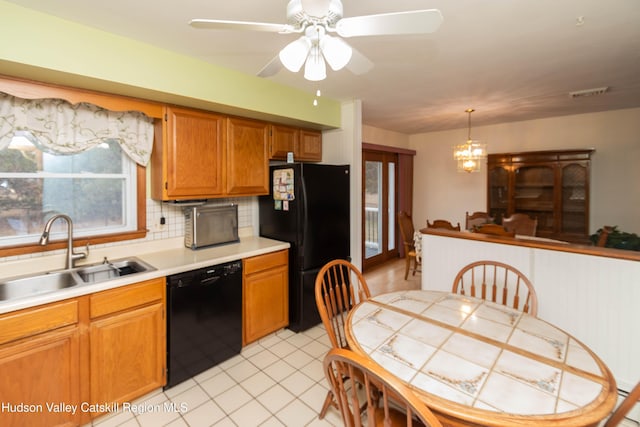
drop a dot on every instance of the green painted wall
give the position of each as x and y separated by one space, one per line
45 48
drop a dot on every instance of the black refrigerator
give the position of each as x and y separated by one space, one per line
308 206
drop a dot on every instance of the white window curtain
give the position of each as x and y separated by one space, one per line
65 128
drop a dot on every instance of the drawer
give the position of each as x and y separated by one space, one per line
126 297
33 321
265 262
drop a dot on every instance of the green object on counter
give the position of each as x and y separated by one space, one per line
618 239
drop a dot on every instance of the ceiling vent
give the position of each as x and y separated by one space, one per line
588 92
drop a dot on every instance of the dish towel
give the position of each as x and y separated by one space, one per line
417 243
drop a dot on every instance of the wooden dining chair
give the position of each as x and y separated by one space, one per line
405 223
623 409
494 230
443 223
388 401
521 224
339 286
497 282
476 218
604 236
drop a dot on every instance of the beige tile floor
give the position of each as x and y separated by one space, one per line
277 381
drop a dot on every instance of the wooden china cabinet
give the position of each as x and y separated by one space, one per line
552 186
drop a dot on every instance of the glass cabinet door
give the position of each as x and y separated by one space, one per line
534 194
574 199
498 193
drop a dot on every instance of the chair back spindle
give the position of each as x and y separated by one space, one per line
339 286
356 382
508 285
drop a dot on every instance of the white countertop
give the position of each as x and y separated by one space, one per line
166 262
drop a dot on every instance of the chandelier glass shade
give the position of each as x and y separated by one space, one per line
470 155
312 50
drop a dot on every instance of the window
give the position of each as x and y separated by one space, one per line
97 188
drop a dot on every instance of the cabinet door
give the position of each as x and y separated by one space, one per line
265 294
574 208
309 146
498 193
266 303
534 195
284 140
195 154
247 157
128 351
39 371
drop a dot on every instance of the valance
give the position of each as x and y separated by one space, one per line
65 128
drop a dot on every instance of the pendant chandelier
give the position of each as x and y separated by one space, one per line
471 154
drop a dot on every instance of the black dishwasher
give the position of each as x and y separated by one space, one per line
204 319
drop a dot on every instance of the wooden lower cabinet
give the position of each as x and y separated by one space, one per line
39 366
127 342
63 363
265 295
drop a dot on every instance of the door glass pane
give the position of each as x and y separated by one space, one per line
372 205
574 199
391 200
534 194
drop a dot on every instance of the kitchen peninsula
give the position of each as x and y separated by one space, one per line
593 293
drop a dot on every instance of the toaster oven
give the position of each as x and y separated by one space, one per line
210 225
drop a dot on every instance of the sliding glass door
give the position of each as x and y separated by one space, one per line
379 207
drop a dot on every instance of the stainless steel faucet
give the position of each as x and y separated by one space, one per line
71 255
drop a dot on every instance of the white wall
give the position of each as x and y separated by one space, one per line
442 192
344 146
373 135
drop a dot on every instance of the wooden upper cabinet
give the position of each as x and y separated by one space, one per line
306 145
188 155
247 157
310 146
284 139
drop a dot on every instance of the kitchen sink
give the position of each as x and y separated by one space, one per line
32 285
108 270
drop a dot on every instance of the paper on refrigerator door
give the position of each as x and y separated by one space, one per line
283 184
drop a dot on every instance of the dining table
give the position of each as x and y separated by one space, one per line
477 363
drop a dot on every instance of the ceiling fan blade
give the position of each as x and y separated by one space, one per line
358 64
217 24
410 22
272 68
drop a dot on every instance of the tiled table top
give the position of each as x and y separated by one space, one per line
476 359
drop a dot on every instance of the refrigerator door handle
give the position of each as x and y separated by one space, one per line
303 208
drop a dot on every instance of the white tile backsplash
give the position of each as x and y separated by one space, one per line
174 224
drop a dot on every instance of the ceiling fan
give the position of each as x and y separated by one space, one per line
316 20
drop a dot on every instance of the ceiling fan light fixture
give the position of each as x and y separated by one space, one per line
336 51
315 68
295 53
